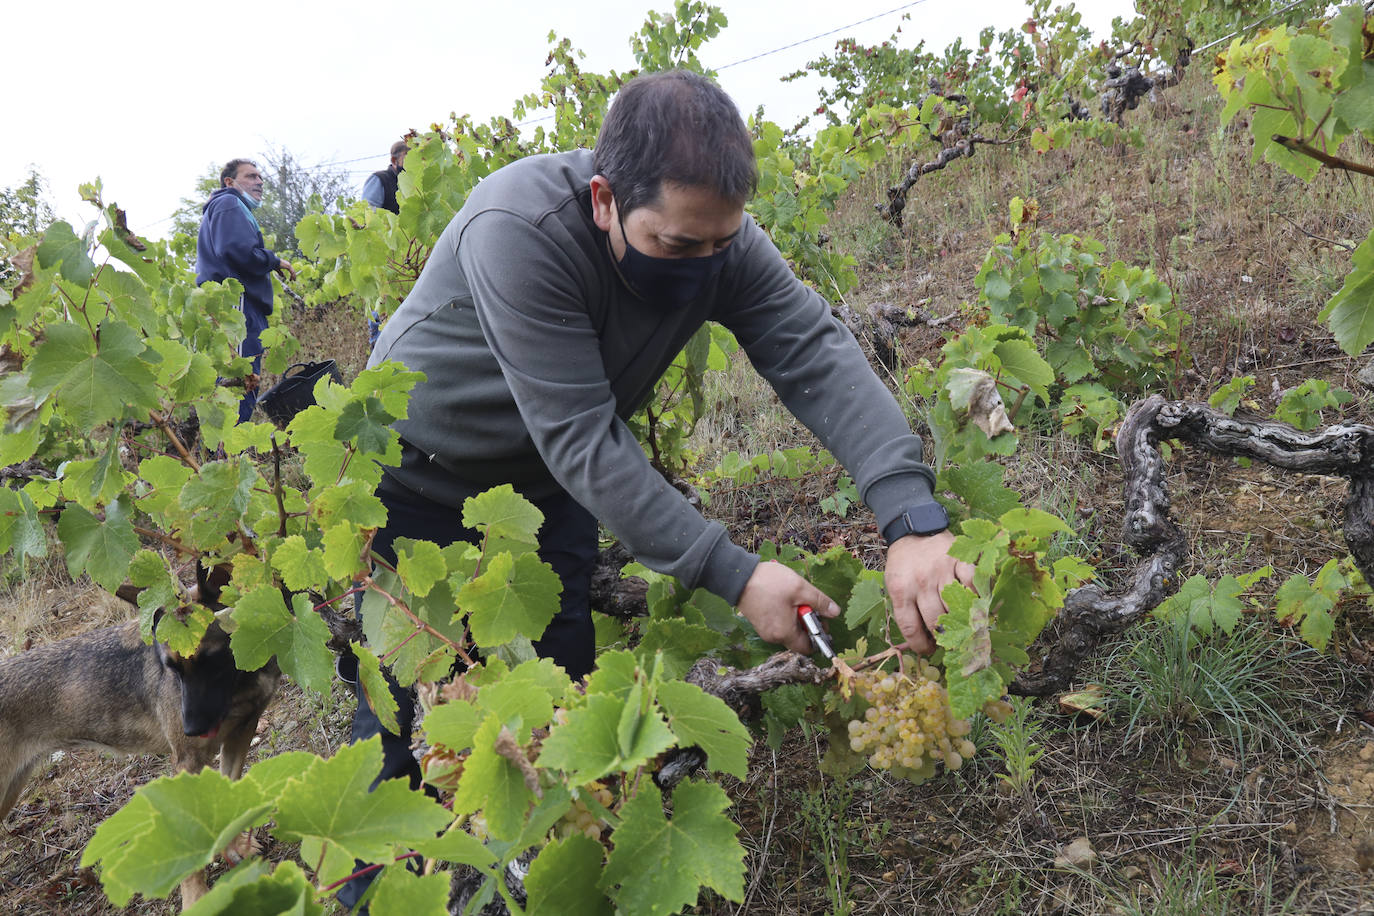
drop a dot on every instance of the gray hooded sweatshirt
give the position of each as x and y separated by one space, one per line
535 352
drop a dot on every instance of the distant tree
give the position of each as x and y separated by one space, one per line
291 190
24 214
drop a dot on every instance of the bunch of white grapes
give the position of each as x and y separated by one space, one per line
581 819
908 727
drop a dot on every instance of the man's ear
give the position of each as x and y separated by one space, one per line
602 203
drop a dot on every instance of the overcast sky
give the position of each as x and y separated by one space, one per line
148 96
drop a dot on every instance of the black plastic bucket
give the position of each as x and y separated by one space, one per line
296 390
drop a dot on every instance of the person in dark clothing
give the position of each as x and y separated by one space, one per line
380 191
230 246
544 317
380 187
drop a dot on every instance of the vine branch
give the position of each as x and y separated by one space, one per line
1090 613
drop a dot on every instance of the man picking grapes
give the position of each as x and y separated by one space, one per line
543 319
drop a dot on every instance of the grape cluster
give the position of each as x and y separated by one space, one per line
580 819
908 727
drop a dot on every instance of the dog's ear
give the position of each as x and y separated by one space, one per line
128 593
210 582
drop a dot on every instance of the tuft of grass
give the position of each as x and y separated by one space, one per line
1249 690
1193 886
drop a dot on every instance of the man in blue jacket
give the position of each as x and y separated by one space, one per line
230 245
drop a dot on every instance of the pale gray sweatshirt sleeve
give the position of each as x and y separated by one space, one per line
529 303
824 378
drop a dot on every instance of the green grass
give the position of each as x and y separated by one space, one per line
1248 691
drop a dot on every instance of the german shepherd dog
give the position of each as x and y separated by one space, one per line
108 689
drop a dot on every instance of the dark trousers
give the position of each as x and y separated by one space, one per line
255 320
567 542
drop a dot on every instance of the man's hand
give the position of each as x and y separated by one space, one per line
917 568
284 267
770 600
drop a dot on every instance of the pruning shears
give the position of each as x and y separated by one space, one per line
812 623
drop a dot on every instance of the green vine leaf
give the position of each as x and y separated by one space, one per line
101 549
658 866
563 880
332 804
697 718
171 827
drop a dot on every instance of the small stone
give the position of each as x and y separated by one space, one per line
1367 752
1366 376
1077 854
1290 828
1131 872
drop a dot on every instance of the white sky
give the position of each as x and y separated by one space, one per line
149 95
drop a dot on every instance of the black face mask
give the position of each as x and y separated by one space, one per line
671 281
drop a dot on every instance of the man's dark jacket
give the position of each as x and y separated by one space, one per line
230 245
390 179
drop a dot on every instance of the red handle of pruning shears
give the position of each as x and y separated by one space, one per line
812 623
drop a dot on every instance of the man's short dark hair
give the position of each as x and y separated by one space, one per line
231 169
675 126
400 146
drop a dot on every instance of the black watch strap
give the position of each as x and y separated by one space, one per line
925 519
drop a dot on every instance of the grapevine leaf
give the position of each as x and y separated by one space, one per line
1226 604
980 484
248 889
376 689
272 774
301 568
453 724
586 745
148 571
95 387
354 501
680 643
1297 602
1190 603
367 422
642 733
658 866
492 784
221 486
1350 312
421 564
967 692
512 597
563 880
102 549
697 718
501 515
21 529
458 846
61 244
1317 627
1330 581
295 636
616 674
401 893
343 547
332 803
188 818
524 698
1036 523
867 603
181 632
1020 359
835 572
978 650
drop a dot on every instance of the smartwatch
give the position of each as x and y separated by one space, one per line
925 519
